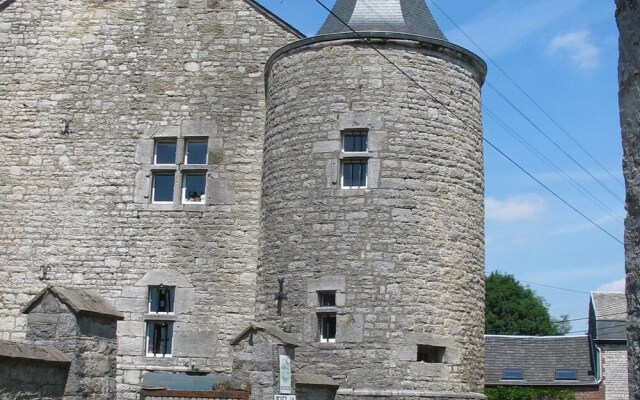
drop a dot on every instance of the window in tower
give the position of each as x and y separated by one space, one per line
355 162
327 327
430 354
327 299
165 151
195 151
193 187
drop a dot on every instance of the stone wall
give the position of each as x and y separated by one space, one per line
615 371
120 72
405 257
31 379
628 18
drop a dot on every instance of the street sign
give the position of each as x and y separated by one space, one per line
284 397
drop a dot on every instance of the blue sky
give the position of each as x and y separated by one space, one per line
563 54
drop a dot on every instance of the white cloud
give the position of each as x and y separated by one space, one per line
507 24
514 208
613 286
578 46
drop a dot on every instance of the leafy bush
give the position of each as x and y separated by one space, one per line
528 393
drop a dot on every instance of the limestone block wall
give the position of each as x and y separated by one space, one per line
615 371
120 73
405 256
628 19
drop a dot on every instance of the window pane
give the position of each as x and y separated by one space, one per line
327 299
165 152
193 187
195 152
162 188
354 174
328 328
566 374
159 338
355 142
161 299
516 374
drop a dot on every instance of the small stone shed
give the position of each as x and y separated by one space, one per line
32 371
82 325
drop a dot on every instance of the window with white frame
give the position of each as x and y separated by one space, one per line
161 299
355 160
327 321
159 332
179 163
159 338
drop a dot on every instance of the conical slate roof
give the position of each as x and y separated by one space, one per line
399 16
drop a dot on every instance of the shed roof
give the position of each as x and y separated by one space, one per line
282 336
400 16
80 301
17 350
538 357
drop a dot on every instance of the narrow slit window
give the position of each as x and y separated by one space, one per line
165 152
195 152
327 327
194 187
162 190
354 173
430 354
159 338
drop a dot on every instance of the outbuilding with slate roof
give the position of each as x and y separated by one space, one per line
568 362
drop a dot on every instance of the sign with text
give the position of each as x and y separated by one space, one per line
285 375
284 397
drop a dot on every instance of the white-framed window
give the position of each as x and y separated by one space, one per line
196 151
164 152
161 299
162 187
172 167
327 327
159 341
194 185
354 166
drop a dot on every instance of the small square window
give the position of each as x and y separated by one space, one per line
355 141
195 152
354 173
162 189
193 187
161 299
327 327
165 152
159 338
512 374
566 375
327 299
430 354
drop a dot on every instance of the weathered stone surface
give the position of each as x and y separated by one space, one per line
121 74
628 19
405 261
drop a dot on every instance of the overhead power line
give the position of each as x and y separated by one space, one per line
524 92
462 121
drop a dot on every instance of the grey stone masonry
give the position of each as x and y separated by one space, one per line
628 19
84 86
403 257
615 371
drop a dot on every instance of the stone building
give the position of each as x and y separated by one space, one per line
141 160
628 19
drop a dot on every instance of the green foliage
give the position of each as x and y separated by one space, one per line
528 393
512 309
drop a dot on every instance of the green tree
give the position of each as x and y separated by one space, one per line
512 309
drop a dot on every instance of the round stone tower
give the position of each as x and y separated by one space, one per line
372 239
